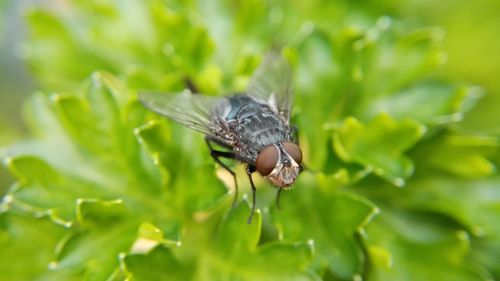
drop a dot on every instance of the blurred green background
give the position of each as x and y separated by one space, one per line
388 94
471 45
15 82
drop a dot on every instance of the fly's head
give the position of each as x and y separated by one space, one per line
280 163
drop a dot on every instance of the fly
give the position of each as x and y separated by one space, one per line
253 127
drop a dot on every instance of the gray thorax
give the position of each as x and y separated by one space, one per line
255 125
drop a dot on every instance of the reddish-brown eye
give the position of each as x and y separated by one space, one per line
267 160
294 151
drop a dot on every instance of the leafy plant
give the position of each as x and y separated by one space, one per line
109 191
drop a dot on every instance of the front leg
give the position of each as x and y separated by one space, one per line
294 137
278 198
216 155
250 170
294 134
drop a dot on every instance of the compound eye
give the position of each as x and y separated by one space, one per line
267 160
294 151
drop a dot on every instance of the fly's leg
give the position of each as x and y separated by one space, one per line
216 155
190 85
250 170
294 133
278 198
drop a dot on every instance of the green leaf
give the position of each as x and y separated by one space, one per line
468 207
149 231
173 159
234 255
331 225
57 44
91 211
96 192
91 246
235 236
460 155
428 103
421 247
379 145
30 169
382 48
486 252
43 189
157 51
94 252
154 137
124 194
158 264
446 195
20 234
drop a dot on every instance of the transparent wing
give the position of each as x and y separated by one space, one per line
195 111
271 83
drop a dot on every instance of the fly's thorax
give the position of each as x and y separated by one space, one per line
280 163
253 124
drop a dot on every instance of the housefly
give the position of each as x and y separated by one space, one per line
252 127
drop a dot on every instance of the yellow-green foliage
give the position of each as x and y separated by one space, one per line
396 188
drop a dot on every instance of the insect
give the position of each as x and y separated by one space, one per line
252 127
